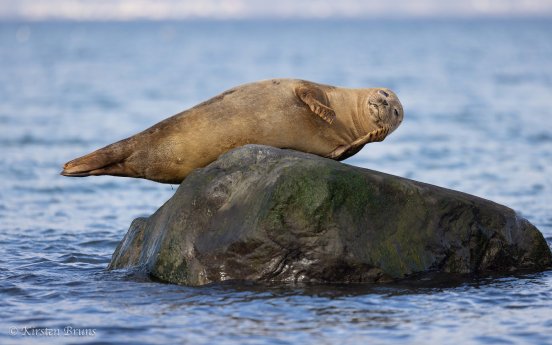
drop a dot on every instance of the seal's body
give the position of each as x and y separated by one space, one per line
286 113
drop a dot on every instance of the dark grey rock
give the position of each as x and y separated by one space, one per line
266 214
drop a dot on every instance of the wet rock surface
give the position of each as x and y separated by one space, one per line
266 214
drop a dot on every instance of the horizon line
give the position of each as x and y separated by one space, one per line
277 18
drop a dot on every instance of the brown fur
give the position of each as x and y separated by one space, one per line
320 119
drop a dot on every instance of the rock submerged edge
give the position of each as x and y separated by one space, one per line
266 214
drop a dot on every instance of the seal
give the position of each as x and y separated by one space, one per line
328 121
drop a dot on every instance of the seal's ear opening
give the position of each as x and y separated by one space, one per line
317 101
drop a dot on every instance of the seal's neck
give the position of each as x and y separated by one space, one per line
349 106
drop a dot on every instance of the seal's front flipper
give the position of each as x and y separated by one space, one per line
317 101
372 137
346 151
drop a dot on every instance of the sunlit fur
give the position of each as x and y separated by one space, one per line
328 121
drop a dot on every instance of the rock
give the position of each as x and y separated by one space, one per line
266 214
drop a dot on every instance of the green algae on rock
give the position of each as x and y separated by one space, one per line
266 214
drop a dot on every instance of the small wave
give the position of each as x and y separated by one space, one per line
13 290
54 189
29 140
99 243
82 258
504 78
539 138
35 262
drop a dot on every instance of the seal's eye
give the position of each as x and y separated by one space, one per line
381 92
396 112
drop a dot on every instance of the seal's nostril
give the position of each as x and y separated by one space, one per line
381 92
396 112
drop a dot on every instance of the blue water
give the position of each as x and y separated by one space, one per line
478 118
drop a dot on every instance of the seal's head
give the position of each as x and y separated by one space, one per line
382 113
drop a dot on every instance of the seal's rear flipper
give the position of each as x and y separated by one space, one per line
109 160
118 169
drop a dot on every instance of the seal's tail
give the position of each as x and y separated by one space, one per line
109 160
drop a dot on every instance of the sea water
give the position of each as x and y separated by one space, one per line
477 97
